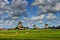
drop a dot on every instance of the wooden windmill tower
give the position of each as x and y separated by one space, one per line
46 26
20 26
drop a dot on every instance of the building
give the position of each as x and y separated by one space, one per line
20 26
35 27
46 26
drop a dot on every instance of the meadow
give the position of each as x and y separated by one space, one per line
42 34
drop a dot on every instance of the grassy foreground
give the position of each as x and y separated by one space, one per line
43 34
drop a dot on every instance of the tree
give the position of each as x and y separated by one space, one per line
59 27
52 27
27 27
16 28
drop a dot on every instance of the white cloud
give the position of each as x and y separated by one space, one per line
17 8
1 12
15 18
58 6
47 6
6 1
1 21
41 22
51 16
36 18
9 22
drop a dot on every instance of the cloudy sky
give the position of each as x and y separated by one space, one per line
30 12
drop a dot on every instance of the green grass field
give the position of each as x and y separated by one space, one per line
48 34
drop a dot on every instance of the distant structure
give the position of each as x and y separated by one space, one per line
20 26
46 26
35 27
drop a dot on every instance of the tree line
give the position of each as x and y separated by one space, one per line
54 27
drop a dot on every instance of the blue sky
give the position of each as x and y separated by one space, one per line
30 12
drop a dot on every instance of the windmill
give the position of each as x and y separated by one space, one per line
46 26
19 26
